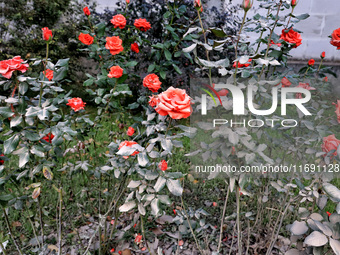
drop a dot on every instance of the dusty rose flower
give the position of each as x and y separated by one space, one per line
115 72
130 131
118 21
163 165
175 103
337 109
292 37
304 86
335 41
142 25
330 143
129 144
76 104
152 82
7 67
114 44
47 34
48 74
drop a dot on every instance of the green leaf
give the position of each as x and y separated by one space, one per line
62 62
167 54
162 74
177 69
218 32
24 156
11 144
302 16
131 63
88 82
60 74
6 112
151 68
158 46
174 187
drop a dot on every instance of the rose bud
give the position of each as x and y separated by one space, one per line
294 3
246 5
323 55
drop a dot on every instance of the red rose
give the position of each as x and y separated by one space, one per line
76 104
311 62
292 37
304 86
134 47
7 67
86 39
142 25
127 1
323 54
48 138
335 41
47 34
163 165
118 21
112 250
48 74
198 5
325 79
138 239
337 109
114 44
242 65
277 44
86 11
293 3
152 82
153 101
329 214
330 143
130 131
115 72
128 144
175 103
2 161
285 82
223 92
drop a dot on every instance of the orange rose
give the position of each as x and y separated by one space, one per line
130 131
114 44
330 143
76 104
304 86
337 109
115 72
118 21
7 67
153 101
128 144
152 82
134 47
175 103
48 74
47 34
335 41
292 37
142 25
163 165
86 39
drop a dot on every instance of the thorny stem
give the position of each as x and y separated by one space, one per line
41 86
205 41
10 231
237 42
320 64
143 233
290 16
41 221
222 218
99 208
192 231
239 234
60 219
259 44
270 37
